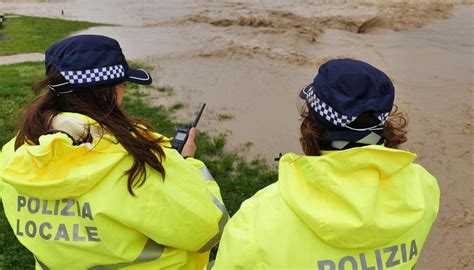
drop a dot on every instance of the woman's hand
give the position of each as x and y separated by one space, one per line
189 148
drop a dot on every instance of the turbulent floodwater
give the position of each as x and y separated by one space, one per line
249 59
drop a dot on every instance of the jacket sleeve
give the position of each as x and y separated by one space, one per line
210 182
184 210
214 190
236 249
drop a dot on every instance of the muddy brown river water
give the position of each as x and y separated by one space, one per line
248 59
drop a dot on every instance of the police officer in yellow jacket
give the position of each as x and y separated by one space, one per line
87 187
353 201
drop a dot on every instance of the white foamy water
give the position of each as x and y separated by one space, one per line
142 12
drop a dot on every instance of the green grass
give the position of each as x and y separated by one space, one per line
177 106
238 178
26 34
15 93
224 116
165 89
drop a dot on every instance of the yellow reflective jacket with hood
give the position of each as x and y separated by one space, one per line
69 205
363 208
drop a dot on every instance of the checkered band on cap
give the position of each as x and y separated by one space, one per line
326 111
94 75
383 117
332 116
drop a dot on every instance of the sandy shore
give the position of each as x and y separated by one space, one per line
248 59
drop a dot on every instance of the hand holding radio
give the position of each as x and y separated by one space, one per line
182 135
189 148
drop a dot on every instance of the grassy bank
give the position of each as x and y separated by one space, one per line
24 34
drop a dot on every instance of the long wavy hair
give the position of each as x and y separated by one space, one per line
313 129
101 105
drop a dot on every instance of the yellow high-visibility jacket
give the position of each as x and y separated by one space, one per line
366 208
69 205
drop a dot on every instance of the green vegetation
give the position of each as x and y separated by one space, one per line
166 89
177 106
15 93
224 116
26 34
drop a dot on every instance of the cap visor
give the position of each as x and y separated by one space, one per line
304 91
139 76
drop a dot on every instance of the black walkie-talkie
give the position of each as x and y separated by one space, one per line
182 134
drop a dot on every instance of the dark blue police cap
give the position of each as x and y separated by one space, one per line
91 61
343 89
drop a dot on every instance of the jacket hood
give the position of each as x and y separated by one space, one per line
360 197
56 168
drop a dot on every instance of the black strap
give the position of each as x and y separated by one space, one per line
60 131
351 138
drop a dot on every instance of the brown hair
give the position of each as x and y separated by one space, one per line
312 130
101 105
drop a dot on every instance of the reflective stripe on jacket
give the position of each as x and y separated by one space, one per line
363 208
69 205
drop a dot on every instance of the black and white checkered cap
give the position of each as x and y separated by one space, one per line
94 75
329 114
90 62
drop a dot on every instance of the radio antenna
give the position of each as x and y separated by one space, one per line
199 115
